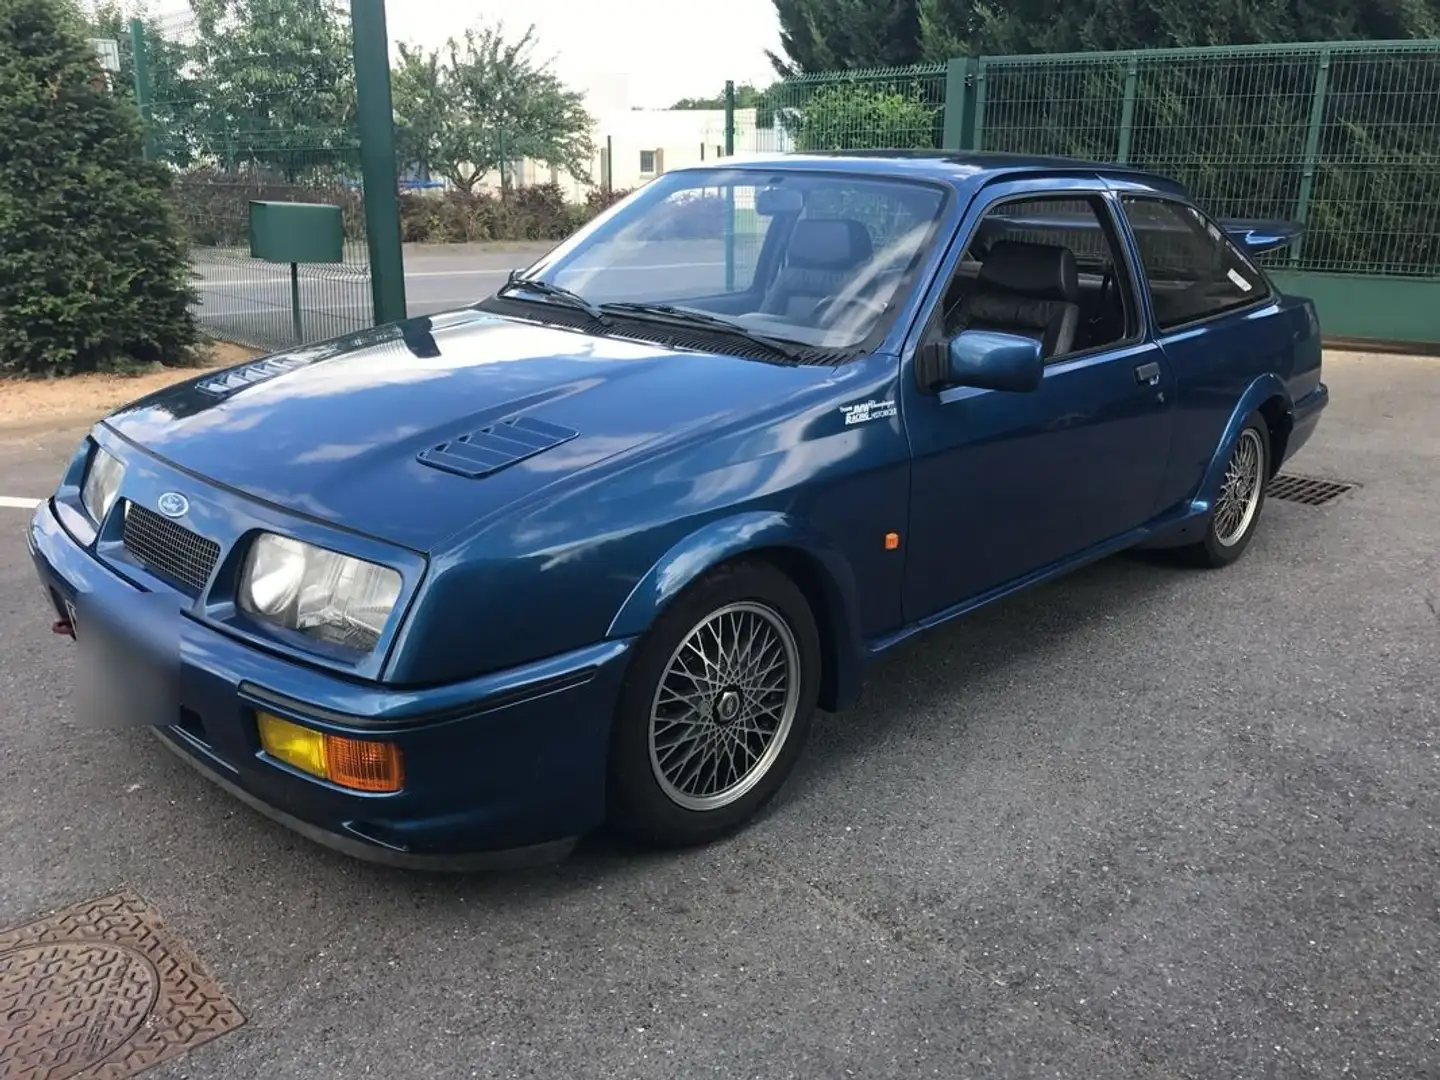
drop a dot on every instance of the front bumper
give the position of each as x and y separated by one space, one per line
506 768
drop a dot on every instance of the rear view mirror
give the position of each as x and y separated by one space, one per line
776 200
988 360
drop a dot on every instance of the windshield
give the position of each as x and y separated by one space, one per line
809 257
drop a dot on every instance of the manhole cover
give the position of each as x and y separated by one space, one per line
1306 489
102 991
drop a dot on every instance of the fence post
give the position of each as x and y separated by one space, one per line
1312 150
376 122
729 188
729 117
959 103
142 85
1127 112
977 137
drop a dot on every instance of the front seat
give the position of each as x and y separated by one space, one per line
1027 289
822 256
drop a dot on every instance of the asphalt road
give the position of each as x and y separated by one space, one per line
1145 822
243 299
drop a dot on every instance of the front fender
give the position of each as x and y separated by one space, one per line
823 572
1265 388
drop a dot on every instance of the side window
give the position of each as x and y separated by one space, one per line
1046 268
1193 268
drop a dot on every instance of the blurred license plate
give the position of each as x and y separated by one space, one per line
118 684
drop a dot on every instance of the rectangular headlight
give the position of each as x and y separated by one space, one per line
102 484
332 597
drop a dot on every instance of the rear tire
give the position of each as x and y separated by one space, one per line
1237 509
715 708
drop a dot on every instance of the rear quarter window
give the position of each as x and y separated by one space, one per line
1193 269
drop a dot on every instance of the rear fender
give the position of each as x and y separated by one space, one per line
1262 390
821 572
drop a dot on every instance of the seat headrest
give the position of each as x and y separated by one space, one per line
1043 271
829 244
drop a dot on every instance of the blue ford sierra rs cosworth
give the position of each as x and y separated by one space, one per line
595 549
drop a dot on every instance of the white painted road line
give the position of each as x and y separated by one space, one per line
283 277
15 503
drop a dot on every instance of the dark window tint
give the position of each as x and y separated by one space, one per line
1193 268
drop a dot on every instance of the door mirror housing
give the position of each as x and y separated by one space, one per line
988 360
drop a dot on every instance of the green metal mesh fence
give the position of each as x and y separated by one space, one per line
884 108
236 125
1343 136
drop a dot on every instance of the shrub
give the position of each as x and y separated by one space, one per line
539 212
93 273
214 204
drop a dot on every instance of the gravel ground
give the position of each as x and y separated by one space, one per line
1144 822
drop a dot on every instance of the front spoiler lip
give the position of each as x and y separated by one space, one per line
502 859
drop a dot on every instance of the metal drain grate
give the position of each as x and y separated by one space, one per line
1306 490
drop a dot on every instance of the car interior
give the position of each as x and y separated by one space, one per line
1043 269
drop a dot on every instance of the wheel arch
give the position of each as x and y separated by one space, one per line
818 569
1280 419
1267 396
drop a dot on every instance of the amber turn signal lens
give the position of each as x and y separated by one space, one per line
358 764
362 764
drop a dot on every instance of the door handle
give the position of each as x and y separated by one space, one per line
1148 374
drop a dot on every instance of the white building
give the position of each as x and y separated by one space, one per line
633 146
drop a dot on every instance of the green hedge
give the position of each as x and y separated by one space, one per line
214 206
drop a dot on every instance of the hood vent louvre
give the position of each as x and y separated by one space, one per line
228 382
492 448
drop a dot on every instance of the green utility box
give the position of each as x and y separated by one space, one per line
295 233
286 232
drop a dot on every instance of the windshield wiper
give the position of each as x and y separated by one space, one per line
553 292
791 350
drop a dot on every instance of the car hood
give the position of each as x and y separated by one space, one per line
367 431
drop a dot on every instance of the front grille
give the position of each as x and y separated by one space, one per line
168 548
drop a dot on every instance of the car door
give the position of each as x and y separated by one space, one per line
1005 485
1211 307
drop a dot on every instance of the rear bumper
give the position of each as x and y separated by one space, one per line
1305 417
502 769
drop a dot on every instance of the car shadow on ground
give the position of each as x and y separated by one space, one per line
921 681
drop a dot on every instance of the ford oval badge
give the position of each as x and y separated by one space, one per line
173 504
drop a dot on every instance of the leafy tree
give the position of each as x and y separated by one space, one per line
483 101
172 91
833 35
93 273
275 82
747 96
853 116
421 111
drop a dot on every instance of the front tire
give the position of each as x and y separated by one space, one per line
716 707
1242 496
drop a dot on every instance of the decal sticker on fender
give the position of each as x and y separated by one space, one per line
864 411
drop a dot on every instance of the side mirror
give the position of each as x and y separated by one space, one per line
989 360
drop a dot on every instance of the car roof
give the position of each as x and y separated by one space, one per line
954 166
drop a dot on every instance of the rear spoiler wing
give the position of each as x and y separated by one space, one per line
1258 237
1254 236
